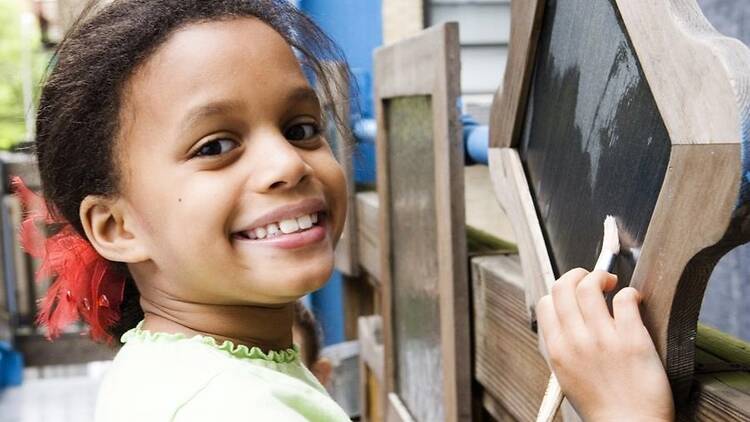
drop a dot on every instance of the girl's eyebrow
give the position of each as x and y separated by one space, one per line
302 94
203 111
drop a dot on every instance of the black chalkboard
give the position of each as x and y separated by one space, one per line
593 142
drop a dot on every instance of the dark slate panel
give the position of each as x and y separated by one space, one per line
414 260
593 141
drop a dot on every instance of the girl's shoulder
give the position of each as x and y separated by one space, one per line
230 397
158 376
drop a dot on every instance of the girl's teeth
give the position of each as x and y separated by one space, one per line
305 222
272 229
288 226
251 234
260 232
314 217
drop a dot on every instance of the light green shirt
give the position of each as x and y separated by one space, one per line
171 377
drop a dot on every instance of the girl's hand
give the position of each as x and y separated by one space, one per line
608 367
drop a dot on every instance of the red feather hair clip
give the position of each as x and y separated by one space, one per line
86 286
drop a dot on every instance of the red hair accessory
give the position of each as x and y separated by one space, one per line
86 286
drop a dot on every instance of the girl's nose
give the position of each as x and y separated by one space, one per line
278 165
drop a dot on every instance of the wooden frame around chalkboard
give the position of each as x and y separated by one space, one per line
428 65
700 83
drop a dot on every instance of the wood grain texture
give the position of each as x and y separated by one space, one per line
371 359
699 78
426 66
359 300
397 411
513 195
509 102
482 210
68 349
694 220
507 362
368 232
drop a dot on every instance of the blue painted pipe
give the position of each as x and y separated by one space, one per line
476 139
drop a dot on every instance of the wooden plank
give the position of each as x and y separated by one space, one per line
371 344
401 19
372 394
372 404
506 113
68 349
368 233
513 194
359 300
397 411
23 278
482 210
507 362
422 74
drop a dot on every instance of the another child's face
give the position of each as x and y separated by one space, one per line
219 140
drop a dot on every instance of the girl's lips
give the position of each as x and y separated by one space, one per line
295 240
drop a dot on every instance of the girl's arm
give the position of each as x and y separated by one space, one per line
608 367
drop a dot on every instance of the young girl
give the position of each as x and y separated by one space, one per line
195 199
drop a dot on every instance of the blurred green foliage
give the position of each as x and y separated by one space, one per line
12 124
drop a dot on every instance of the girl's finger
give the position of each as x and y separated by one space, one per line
547 318
625 308
565 301
590 294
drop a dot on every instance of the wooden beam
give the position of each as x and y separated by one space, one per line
368 232
372 395
510 99
68 349
507 362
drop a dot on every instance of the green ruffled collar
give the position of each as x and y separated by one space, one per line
238 351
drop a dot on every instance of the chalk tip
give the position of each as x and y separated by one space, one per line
611 240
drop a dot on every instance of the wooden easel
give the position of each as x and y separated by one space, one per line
668 75
422 236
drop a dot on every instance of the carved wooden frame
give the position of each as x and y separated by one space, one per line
700 82
428 64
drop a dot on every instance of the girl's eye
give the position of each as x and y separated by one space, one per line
302 132
216 147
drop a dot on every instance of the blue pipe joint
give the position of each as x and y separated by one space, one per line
476 141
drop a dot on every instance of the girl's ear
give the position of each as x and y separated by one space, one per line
109 228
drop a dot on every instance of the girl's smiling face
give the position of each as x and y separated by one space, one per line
220 143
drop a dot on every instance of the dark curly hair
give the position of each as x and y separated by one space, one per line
78 114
